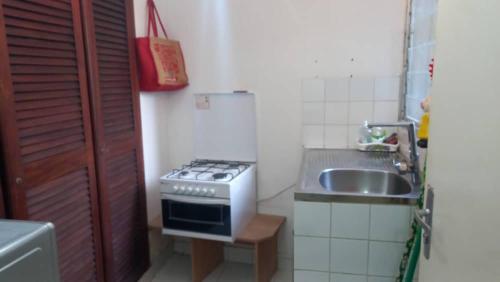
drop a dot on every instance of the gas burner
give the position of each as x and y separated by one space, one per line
222 176
186 174
219 175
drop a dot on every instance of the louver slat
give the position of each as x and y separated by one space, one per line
46 128
109 35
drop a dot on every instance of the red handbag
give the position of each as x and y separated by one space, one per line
160 60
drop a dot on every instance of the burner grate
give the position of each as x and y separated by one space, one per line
209 170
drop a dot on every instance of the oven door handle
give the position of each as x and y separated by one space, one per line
196 200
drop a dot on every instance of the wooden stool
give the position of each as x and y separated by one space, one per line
262 232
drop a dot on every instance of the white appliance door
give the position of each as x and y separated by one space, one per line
225 127
464 154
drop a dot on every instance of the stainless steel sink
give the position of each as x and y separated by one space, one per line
353 176
368 182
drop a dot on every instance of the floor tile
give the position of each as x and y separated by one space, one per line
236 272
283 276
178 269
215 275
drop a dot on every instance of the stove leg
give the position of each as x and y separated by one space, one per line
206 255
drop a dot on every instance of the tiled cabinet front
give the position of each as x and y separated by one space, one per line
349 242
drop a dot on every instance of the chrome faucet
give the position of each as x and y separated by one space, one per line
412 139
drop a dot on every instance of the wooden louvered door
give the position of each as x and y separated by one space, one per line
2 204
46 129
109 36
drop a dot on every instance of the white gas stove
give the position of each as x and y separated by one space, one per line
214 196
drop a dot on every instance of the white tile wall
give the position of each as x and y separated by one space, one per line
384 258
360 111
339 277
390 223
314 136
350 220
337 89
349 256
362 89
380 279
385 111
336 136
313 112
312 253
365 242
310 276
353 136
337 113
342 102
312 219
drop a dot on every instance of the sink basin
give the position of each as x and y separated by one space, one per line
364 182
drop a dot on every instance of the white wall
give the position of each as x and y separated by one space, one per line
266 47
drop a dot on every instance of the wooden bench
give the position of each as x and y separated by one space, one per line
262 232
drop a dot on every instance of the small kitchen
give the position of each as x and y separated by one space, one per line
316 73
286 141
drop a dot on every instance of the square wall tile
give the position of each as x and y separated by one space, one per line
340 277
390 222
313 113
353 136
386 111
349 256
387 88
362 89
337 113
337 89
350 220
313 90
311 218
312 136
380 279
359 112
385 258
336 136
310 276
311 253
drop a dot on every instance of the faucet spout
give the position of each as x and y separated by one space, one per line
412 139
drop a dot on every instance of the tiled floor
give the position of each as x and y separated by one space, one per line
177 268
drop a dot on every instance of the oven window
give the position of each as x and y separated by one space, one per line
203 214
203 218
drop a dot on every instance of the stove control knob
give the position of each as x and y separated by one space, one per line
182 190
204 191
175 188
196 190
190 190
212 192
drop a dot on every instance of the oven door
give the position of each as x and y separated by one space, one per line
196 214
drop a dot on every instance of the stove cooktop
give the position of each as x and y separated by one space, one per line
209 170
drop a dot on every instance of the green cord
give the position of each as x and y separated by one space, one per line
412 253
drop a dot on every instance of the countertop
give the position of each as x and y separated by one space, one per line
316 160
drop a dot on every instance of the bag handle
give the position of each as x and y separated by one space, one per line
153 18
